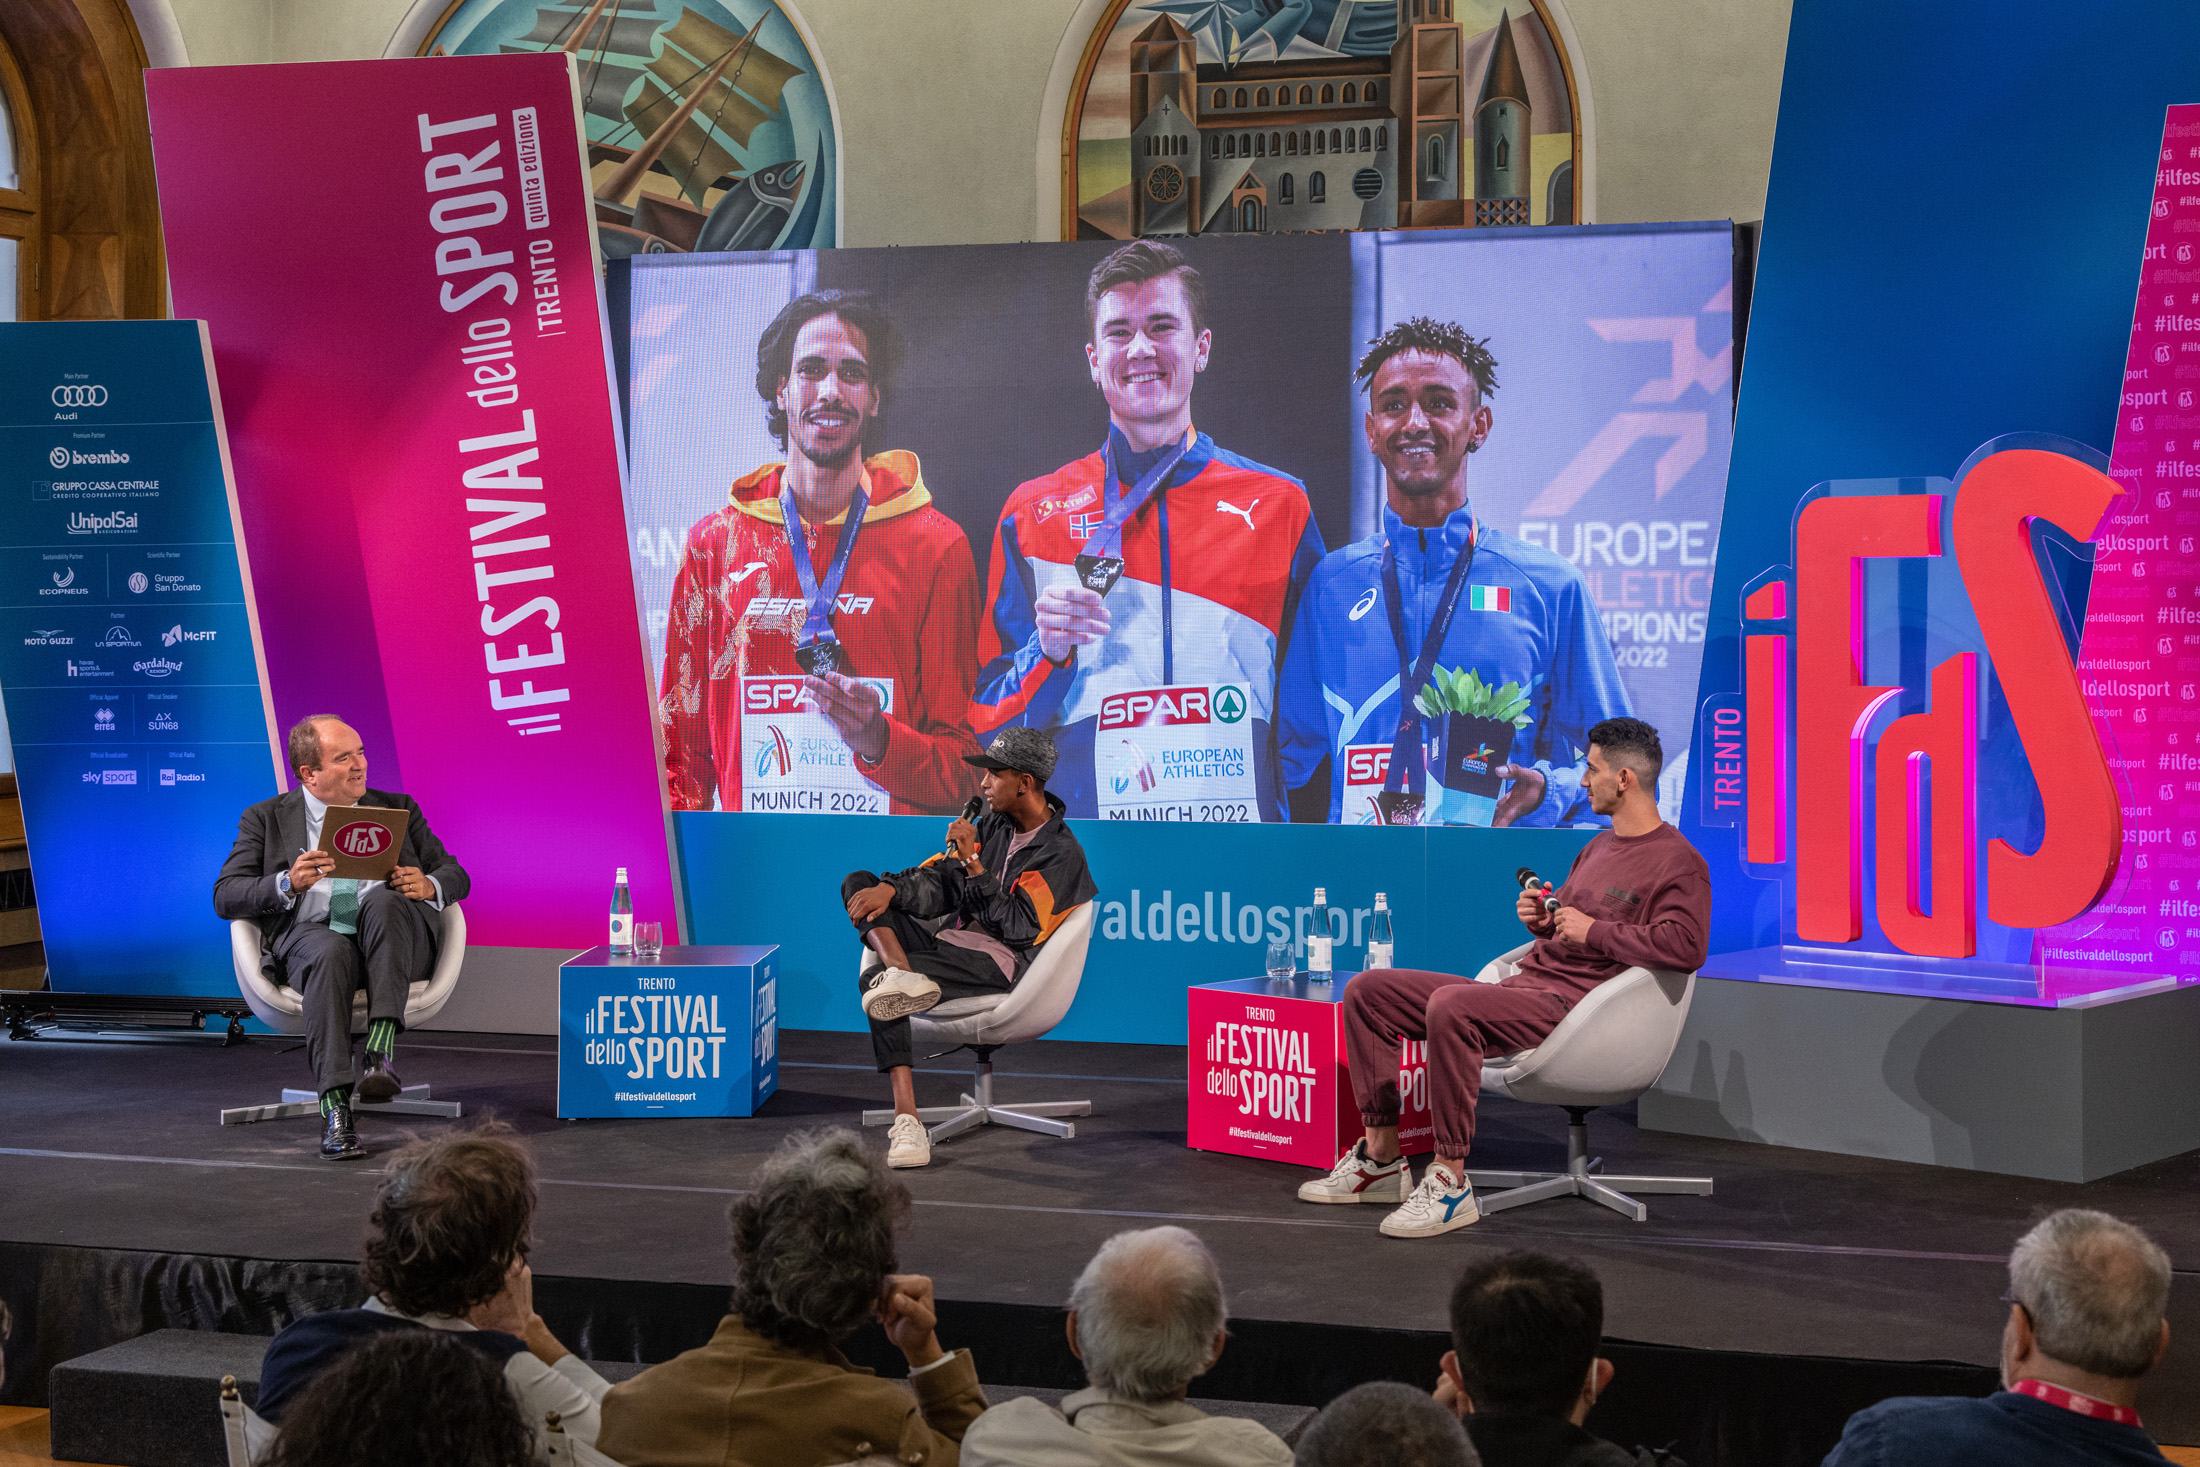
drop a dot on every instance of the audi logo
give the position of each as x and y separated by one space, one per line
79 395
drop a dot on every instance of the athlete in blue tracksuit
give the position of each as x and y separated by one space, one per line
1519 613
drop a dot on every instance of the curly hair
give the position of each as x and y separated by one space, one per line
452 1214
1436 339
775 348
415 1396
1631 742
813 1238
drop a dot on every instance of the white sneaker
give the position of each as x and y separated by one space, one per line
897 993
1356 1179
1441 1204
907 1144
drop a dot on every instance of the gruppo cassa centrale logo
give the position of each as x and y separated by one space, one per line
79 394
361 838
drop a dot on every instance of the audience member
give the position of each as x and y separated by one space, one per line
446 1250
1146 1317
416 1399
1385 1424
1523 1369
813 1254
2087 1296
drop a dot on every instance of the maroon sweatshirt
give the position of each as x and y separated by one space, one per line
1650 898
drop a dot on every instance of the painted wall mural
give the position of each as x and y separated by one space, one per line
1279 116
709 126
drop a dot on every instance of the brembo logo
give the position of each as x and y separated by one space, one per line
62 458
1926 832
361 838
79 394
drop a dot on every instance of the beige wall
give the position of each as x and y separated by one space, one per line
949 150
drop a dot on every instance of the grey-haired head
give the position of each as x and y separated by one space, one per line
1025 750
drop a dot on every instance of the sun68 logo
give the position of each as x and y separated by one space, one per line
1155 708
361 838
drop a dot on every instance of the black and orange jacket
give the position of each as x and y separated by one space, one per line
1047 880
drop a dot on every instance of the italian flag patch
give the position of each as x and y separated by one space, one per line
1489 598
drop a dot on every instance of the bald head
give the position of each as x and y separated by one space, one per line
1147 1312
2096 1289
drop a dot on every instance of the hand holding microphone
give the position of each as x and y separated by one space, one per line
1536 888
1537 902
965 828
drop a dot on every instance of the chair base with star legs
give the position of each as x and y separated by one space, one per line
281 1008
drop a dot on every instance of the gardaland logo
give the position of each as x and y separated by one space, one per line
81 523
157 667
177 634
79 394
361 838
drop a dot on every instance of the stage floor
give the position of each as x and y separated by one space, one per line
115 1145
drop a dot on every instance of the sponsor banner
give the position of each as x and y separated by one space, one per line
140 718
798 762
1181 753
1197 907
442 382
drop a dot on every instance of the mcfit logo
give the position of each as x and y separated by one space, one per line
1926 834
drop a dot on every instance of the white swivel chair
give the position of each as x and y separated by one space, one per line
1029 1010
283 1010
1608 1049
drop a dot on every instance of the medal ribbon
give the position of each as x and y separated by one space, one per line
1108 539
818 625
1408 752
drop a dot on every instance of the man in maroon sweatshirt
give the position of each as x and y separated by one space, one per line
1638 896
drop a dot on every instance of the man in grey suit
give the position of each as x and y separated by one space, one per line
328 936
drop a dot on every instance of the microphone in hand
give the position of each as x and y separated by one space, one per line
972 809
1533 884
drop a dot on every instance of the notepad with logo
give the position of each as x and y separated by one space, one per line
364 839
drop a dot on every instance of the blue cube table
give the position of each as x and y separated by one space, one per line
693 1032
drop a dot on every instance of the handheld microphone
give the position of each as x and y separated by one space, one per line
1532 883
972 809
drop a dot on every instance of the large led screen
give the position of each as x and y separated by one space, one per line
1198 508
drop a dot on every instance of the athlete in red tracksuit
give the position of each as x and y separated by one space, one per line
840 682
1160 691
907 611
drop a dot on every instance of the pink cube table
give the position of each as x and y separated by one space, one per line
1269 1078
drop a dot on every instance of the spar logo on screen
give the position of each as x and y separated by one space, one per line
1171 707
772 695
361 839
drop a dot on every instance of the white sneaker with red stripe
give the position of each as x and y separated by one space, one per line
1357 1179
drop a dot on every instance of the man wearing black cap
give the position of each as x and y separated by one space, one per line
968 920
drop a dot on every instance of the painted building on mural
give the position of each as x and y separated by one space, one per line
1345 142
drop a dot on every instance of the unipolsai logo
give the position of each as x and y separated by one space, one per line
361 839
114 522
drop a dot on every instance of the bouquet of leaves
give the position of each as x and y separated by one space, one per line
1464 692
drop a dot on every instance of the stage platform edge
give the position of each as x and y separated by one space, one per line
2064 1094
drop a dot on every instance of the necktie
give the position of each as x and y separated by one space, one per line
343 904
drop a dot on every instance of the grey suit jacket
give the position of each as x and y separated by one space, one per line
272 833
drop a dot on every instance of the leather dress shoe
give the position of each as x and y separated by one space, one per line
339 1138
379 1082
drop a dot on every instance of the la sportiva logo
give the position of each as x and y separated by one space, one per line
1808 716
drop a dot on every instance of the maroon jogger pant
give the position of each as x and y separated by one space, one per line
1462 1020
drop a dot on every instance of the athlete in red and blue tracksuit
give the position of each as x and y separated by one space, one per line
1212 565
1525 615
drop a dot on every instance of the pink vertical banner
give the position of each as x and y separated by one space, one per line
2140 658
396 262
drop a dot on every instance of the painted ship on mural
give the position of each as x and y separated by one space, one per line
1272 116
695 127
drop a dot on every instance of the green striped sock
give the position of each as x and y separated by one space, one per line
330 1099
382 1037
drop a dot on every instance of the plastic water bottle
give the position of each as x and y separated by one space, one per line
1318 938
622 917
1378 934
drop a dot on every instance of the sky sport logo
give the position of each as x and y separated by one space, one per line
361 839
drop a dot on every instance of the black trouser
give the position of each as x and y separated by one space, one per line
394 948
960 972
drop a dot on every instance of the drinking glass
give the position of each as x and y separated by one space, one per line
1281 964
649 939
